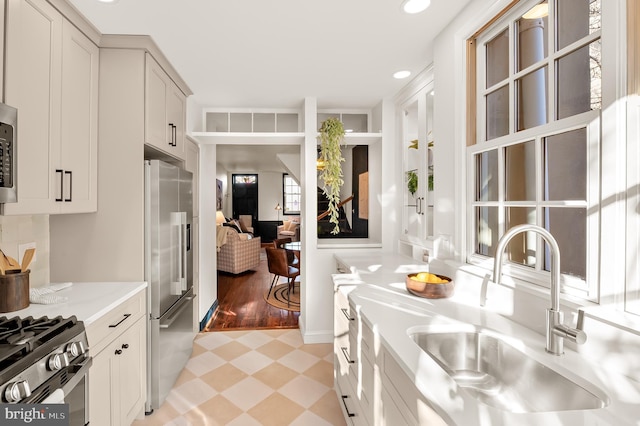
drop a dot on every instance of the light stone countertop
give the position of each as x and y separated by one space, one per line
88 301
376 287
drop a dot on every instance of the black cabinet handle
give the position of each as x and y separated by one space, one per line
125 346
344 402
346 355
175 135
120 322
346 314
61 183
70 173
118 351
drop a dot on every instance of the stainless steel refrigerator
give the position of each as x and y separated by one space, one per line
169 273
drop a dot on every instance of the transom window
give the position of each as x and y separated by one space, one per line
535 151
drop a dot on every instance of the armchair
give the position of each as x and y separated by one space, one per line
240 252
289 229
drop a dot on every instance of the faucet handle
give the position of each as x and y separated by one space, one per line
574 334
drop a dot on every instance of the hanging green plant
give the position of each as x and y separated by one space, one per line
412 182
331 140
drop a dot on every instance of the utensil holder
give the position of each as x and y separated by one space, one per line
14 291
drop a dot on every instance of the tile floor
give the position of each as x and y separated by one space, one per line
258 377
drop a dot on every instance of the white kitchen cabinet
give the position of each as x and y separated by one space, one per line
416 127
165 111
52 79
117 378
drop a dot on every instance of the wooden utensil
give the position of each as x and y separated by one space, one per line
27 258
15 265
4 261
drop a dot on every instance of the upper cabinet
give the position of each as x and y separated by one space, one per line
51 77
165 111
417 144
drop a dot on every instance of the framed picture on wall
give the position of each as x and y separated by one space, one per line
218 194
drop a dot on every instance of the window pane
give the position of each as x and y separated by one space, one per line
532 41
498 113
532 99
579 81
240 121
520 172
264 122
522 248
569 228
498 58
577 19
487 176
355 122
565 166
487 235
217 122
287 122
292 195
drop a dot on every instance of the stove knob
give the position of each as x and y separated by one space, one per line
76 348
58 361
16 391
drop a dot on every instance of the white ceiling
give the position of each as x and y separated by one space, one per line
253 158
274 53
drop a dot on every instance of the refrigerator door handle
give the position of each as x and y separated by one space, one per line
179 255
174 312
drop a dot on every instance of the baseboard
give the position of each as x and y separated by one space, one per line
209 314
310 338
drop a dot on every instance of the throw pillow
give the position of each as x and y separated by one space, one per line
292 226
285 225
242 226
233 225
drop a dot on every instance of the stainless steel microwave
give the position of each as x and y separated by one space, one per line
8 154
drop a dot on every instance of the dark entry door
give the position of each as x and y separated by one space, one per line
244 194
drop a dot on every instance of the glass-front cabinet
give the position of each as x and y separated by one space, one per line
416 145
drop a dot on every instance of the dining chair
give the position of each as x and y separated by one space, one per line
279 243
278 264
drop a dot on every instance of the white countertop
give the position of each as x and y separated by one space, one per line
377 287
88 301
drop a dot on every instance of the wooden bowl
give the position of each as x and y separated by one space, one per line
430 290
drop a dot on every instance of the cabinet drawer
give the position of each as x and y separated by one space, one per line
102 331
348 401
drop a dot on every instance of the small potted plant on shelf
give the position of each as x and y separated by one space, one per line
331 141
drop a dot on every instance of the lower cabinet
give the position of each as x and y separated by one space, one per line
117 378
371 386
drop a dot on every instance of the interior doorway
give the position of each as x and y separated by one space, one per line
244 195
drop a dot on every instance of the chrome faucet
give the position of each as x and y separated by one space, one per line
556 330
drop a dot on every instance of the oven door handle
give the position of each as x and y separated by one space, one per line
80 370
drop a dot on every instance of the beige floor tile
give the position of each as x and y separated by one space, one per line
197 349
308 418
189 395
203 363
275 349
328 407
276 410
216 411
185 376
247 393
303 390
213 340
275 375
231 350
320 349
298 360
255 339
244 420
292 337
322 372
223 377
251 362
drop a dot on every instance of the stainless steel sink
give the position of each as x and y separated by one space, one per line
500 375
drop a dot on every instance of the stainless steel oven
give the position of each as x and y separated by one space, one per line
45 361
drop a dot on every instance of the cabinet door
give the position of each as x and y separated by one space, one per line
32 85
132 372
176 111
156 89
101 377
79 122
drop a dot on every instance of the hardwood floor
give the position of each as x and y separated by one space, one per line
241 303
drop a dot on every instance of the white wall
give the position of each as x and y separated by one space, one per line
208 271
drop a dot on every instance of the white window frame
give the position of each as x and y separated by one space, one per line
587 289
284 195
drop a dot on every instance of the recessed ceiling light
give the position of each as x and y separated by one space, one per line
538 11
415 6
401 74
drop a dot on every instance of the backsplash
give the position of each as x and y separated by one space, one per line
17 230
